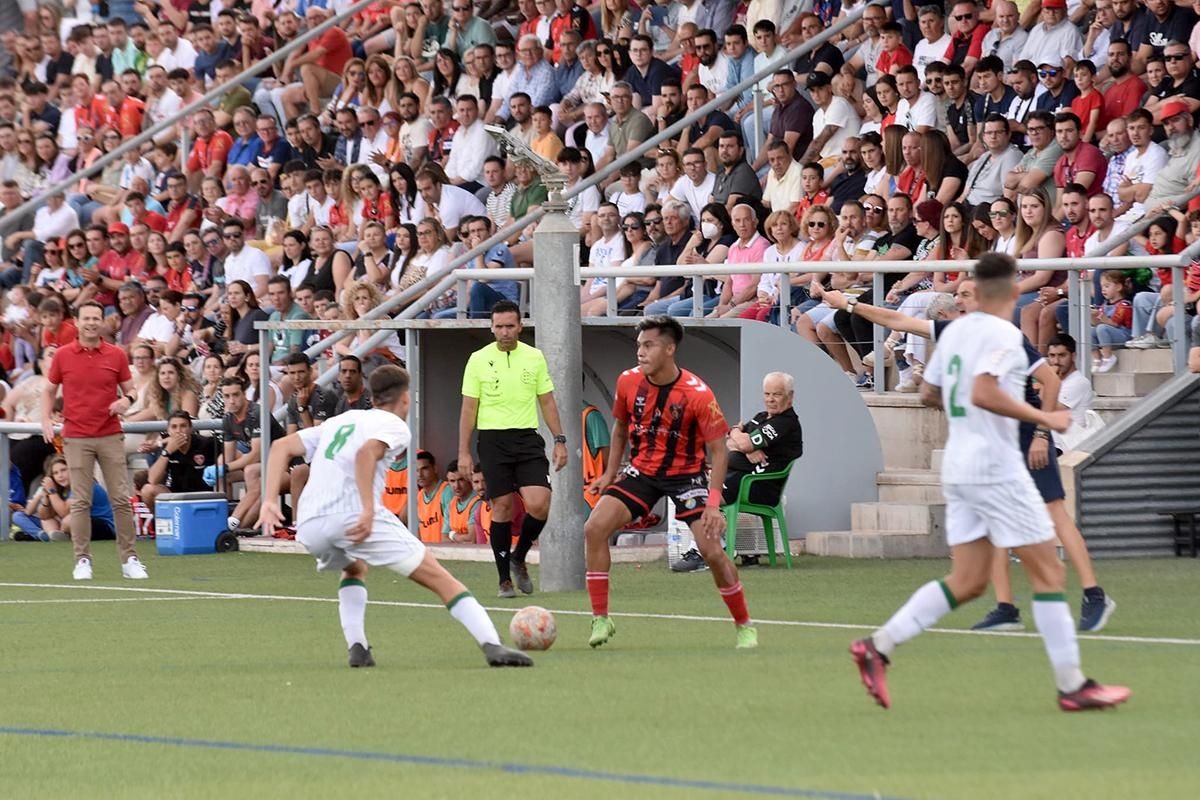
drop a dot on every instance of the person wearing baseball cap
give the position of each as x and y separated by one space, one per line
1055 38
119 228
1183 151
1060 89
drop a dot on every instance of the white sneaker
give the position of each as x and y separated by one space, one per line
1144 342
83 570
1104 364
132 569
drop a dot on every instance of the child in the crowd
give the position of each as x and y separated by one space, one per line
1113 321
894 54
630 199
1089 105
46 517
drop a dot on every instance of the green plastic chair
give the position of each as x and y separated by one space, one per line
765 513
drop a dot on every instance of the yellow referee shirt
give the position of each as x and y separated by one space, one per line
507 386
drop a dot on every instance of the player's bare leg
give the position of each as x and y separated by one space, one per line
608 517
725 576
968 579
352 610
1053 618
463 606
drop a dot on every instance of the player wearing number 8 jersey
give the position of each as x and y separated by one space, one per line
978 375
339 523
669 418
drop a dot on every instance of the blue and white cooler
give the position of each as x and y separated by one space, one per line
190 522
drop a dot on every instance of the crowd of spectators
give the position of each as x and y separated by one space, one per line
358 166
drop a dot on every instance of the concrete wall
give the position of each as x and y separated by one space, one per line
842 451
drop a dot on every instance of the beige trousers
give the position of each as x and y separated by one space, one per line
82 455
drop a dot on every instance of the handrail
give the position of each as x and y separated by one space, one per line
33 203
8 429
1113 242
434 285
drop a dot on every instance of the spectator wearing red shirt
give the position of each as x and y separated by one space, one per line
320 66
118 264
90 111
210 151
1080 162
570 15
129 111
97 389
1127 90
966 45
894 53
183 209
135 202
56 331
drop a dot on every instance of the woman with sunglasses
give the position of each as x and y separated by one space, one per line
631 291
348 93
433 254
592 85
1002 215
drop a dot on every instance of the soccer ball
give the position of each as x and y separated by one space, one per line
533 628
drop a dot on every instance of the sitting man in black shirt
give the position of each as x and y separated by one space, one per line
181 460
767 443
308 407
242 431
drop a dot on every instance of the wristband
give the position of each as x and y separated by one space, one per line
714 498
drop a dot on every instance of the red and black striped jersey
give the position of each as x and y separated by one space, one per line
668 425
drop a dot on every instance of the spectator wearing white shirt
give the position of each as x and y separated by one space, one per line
1146 157
935 41
52 221
448 204
916 110
471 146
1055 39
161 101
713 71
695 186
835 120
608 250
374 146
782 192
1075 392
244 263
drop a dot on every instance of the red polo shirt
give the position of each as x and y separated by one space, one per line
65 334
214 149
91 378
1123 97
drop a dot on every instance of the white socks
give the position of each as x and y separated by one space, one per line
927 605
466 609
352 609
1052 616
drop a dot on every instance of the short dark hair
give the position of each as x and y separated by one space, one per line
993 64
425 455
233 380
667 326
387 383
353 359
1068 117
993 267
233 222
1064 340
283 279
505 307
179 413
298 358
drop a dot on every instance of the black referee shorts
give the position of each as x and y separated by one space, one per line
513 458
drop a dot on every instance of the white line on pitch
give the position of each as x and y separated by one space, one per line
101 600
569 612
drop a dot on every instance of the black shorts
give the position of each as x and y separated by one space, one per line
640 492
511 459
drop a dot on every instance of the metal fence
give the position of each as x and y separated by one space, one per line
7 429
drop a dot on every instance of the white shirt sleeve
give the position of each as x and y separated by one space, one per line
310 438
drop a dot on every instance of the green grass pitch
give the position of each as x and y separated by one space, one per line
192 696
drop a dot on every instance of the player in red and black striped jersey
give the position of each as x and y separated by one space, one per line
670 420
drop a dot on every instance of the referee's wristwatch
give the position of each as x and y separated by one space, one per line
560 439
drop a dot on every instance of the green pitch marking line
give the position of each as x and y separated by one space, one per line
464 764
188 593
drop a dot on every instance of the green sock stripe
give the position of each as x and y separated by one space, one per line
950 598
351 582
1050 597
454 601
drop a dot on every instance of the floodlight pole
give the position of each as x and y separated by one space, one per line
558 334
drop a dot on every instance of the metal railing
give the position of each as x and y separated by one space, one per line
11 218
7 429
433 286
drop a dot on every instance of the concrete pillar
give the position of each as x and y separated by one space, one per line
558 335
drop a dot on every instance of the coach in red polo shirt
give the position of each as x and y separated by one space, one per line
97 389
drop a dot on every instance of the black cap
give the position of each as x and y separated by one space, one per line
817 79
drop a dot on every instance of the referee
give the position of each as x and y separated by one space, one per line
503 385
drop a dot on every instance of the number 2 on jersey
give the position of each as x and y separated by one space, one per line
955 369
339 441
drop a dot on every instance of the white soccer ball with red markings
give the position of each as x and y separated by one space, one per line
533 628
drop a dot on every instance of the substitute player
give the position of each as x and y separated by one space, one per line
669 418
503 387
339 522
978 374
1036 449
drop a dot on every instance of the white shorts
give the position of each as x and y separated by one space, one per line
1010 514
389 545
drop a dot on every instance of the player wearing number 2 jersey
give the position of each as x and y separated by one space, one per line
978 375
340 524
669 418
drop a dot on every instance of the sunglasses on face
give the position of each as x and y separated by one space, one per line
631 227
995 214
211 242
874 209
1175 57
76 245
232 235
1048 73
961 17
189 308
816 223
657 221
52 251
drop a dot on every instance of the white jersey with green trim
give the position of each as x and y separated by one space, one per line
331 449
982 447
